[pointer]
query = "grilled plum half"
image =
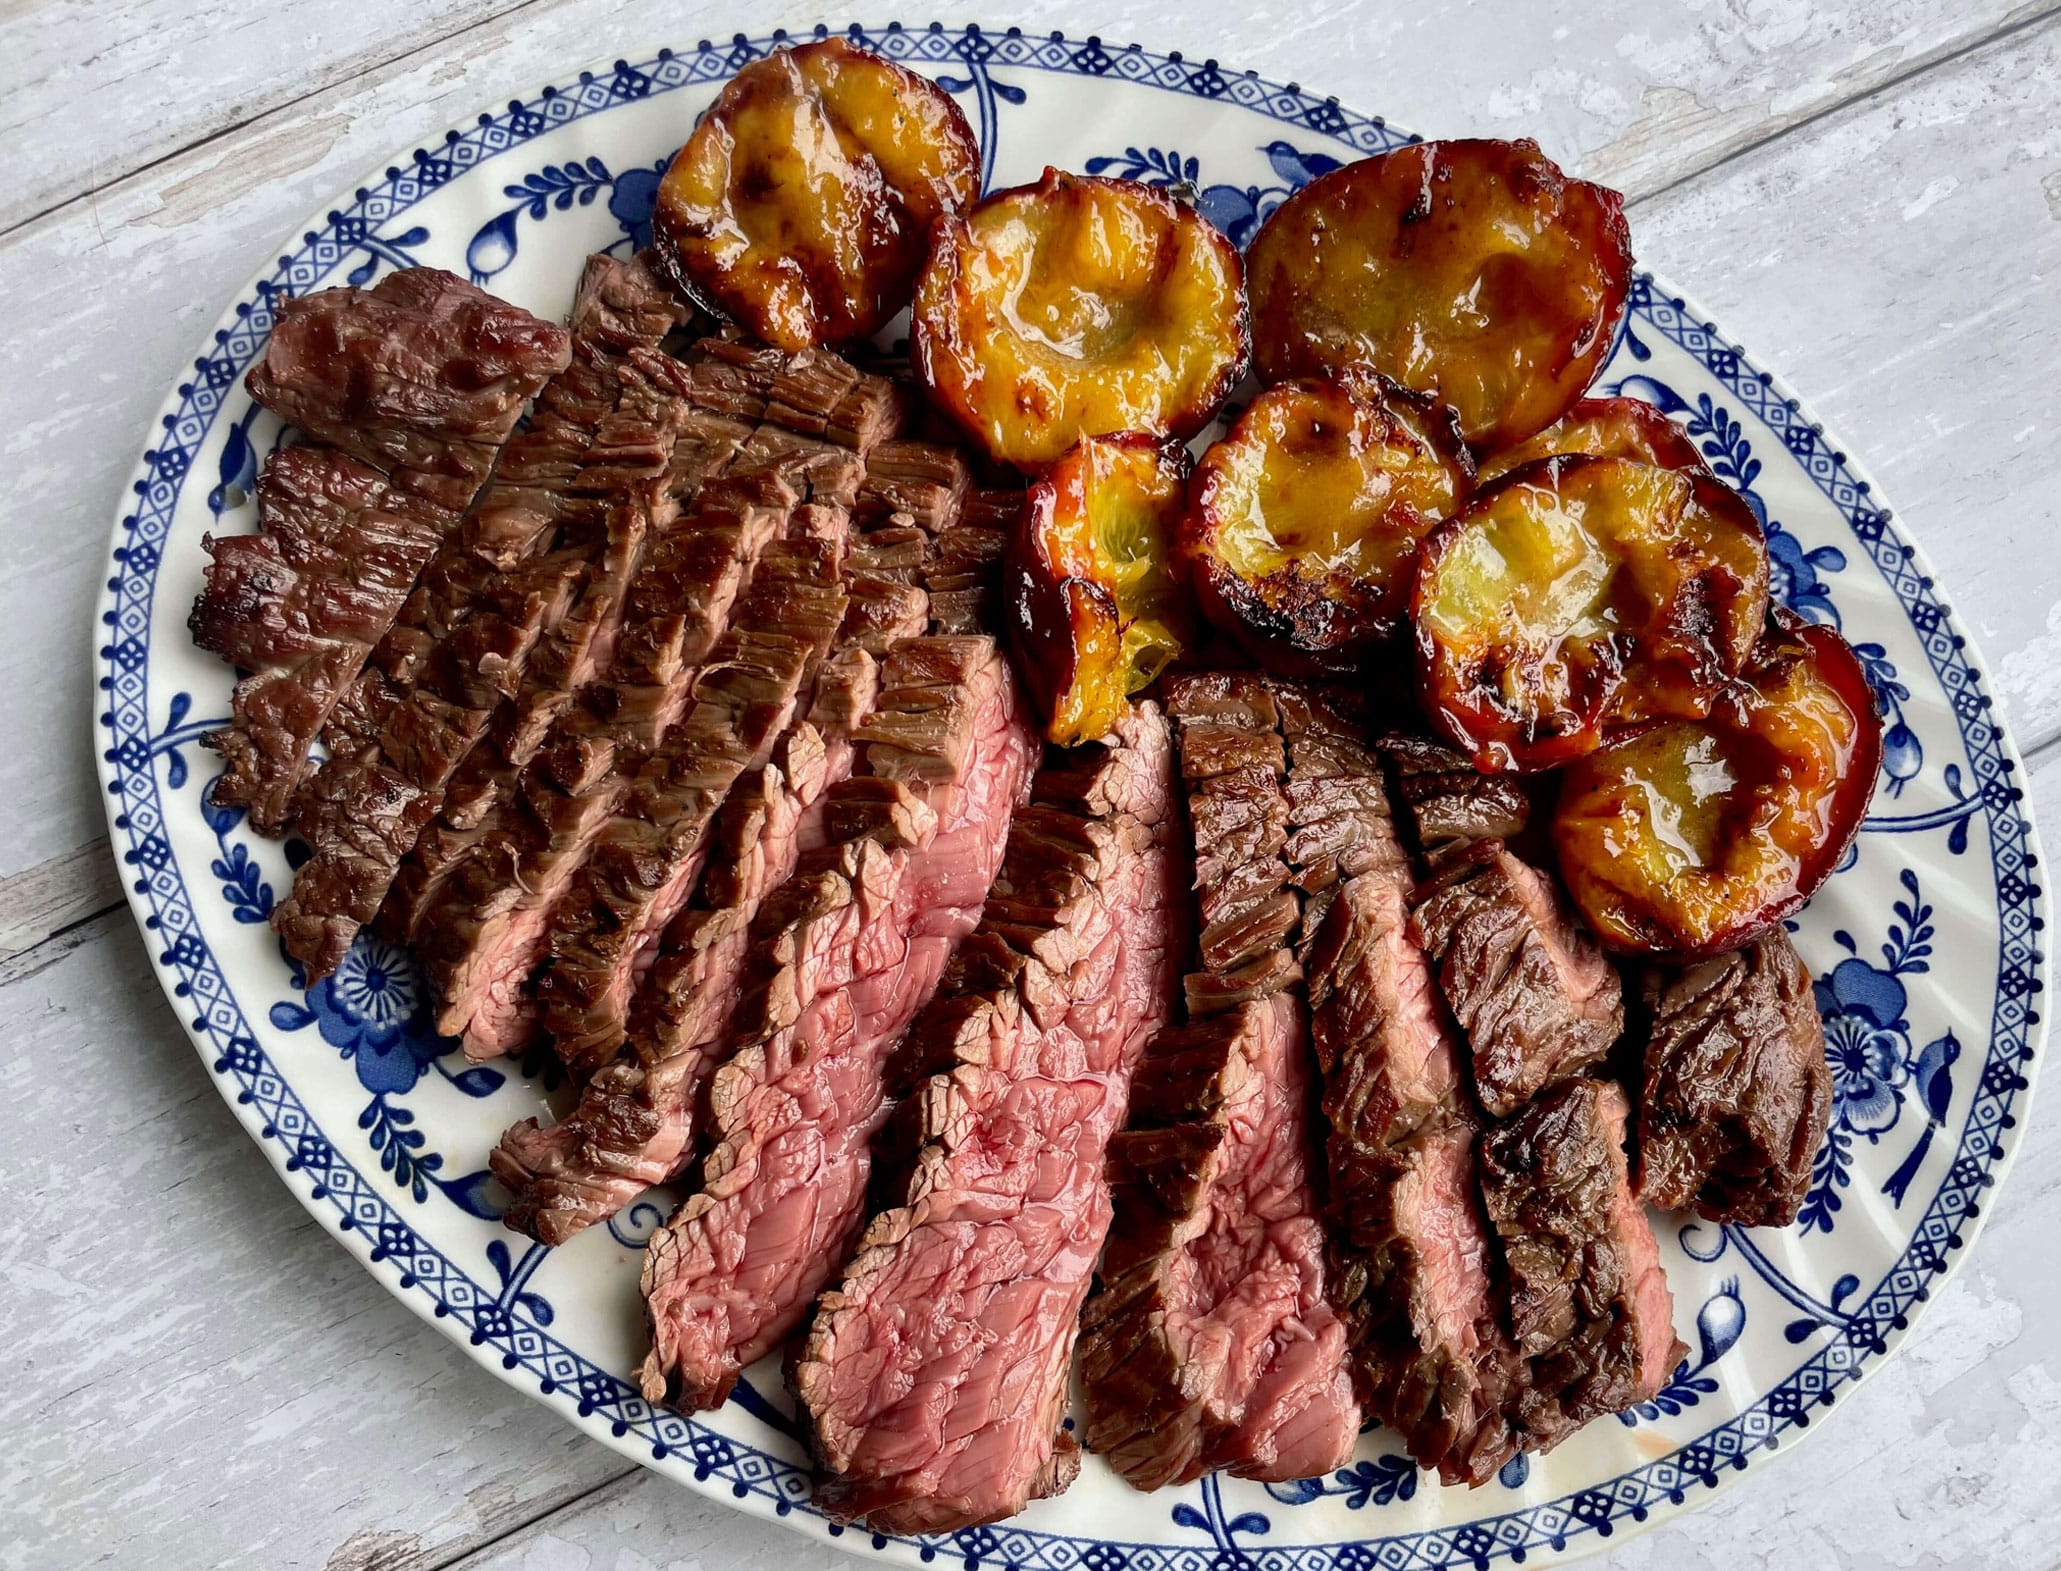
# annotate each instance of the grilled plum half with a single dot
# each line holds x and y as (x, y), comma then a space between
(1582, 594)
(1471, 270)
(1693, 837)
(801, 206)
(1078, 307)
(1605, 428)
(1303, 526)
(1095, 609)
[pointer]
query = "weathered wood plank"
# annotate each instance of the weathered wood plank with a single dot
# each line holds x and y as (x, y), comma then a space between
(44, 899)
(197, 1375)
(90, 92)
(1897, 266)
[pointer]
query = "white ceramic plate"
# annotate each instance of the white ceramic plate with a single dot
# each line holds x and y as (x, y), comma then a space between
(1925, 943)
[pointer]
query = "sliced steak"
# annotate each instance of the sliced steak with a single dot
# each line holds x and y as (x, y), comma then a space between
(857, 942)
(935, 1374)
(1211, 1342)
(1538, 1000)
(1737, 1091)
(500, 910)
(643, 870)
(422, 376)
(1590, 1315)
(300, 606)
(458, 650)
(634, 1124)
(1449, 802)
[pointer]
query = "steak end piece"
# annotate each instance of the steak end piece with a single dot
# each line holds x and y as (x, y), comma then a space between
(1449, 801)
(1591, 1319)
(1538, 1000)
(423, 376)
(1737, 1091)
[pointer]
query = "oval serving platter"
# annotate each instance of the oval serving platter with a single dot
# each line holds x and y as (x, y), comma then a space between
(1925, 944)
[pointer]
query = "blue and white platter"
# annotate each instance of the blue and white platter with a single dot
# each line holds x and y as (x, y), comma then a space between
(1926, 944)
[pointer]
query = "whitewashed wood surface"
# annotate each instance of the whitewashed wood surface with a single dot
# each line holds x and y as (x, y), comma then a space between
(1867, 193)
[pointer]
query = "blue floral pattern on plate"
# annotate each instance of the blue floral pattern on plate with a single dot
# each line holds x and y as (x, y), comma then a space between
(344, 1087)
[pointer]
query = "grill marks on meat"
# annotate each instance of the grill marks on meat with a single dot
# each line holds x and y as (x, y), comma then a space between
(1737, 1091)
(458, 650)
(481, 958)
(1538, 1000)
(1409, 1254)
(635, 1121)
(1590, 1315)
(855, 943)
(935, 1373)
(406, 391)
(300, 607)
(422, 376)
(1211, 1343)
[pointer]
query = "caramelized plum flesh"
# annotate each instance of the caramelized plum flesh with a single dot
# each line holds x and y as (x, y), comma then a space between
(1301, 538)
(1582, 594)
(1095, 609)
(1079, 307)
(801, 206)
(1694, 837)
(1474, 271)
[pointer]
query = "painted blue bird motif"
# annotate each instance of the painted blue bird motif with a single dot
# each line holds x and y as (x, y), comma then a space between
(1296, 167)
(1934, 1081)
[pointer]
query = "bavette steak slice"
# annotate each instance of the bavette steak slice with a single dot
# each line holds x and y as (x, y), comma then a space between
(300, 606)
(423, 377)
(1449, 801)
(408, 391)
(1590, 1315)
(1737, 1091)
(1211, 1342)
(458, 650)
(497, 924)
(635, 1120)
(1536, 997)
(856, 944)
(935, 1373)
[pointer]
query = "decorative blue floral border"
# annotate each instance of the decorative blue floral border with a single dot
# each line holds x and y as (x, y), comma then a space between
(489, 1311)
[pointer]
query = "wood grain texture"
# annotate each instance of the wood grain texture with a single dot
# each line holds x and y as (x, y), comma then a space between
(91, 90)
(217, 1383)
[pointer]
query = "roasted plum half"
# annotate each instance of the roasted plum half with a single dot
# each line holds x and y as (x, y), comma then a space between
(1079, 307)
(1304, 522)
(1694, 837)
(1604, 428)
(1096, 610)
(1474, 271)
(1582, 594)
(801, 206)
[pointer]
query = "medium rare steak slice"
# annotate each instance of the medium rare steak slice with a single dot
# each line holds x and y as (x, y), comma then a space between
(1211, 1342)
(1737, 1091)
(935, 1373)
(857, 942)
(1448, 801)
(497, 918)
(460, 645)
(299, 606)
(422, 376)
(635, 1121)
(1538, 1000)
(644, 868)
(1590, 1314)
